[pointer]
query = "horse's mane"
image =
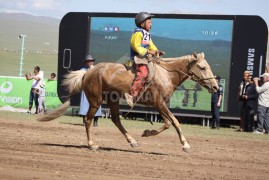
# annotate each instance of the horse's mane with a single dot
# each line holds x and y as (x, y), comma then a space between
(169, 63)
(177, 58)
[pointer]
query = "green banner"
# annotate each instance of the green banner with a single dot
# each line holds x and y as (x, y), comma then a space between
(15, 91)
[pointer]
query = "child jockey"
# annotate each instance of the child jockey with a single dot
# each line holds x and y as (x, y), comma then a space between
(141, 46)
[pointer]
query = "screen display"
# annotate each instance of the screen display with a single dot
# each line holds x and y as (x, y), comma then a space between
(109, 41)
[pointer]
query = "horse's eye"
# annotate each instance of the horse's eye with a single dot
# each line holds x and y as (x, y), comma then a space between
(203, 68)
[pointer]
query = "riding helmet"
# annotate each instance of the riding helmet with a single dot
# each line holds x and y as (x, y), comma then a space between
(141, 17)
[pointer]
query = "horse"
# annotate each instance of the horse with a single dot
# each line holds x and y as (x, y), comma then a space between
(109, 81)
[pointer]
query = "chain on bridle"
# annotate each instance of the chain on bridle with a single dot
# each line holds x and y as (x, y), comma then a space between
(194, 75)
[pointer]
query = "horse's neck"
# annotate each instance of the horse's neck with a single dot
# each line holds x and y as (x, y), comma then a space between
(178, 63)
(178, 68)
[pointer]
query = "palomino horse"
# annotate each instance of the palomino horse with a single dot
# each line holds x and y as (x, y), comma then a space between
(109, 81)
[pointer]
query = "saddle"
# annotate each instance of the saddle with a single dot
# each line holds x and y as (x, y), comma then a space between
(149, 61)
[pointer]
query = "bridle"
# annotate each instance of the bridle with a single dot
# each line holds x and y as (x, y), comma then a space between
(191, 74)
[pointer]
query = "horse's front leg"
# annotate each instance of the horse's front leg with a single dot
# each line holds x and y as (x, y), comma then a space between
(169, 119)
(158, 103)
(175, 123)
(154, 132)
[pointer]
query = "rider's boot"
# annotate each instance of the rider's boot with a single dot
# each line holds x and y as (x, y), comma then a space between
(129, 99)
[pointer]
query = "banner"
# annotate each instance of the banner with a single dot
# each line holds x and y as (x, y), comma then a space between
(15, 91)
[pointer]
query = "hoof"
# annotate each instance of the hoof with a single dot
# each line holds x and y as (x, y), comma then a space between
(94, 148)
(134, 144)
(186, 148)
(146, 133)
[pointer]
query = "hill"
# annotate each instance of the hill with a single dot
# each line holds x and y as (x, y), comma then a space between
(41, 43)
(41, 32)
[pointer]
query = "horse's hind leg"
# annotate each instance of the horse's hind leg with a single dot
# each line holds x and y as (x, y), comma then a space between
(88, 125)
(114, 109)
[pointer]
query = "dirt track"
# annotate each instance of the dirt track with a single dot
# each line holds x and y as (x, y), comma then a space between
(32, 150)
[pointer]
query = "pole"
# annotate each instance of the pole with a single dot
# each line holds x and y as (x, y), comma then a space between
(22, 50)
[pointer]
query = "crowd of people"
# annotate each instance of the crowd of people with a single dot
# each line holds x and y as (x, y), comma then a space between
(253, 100)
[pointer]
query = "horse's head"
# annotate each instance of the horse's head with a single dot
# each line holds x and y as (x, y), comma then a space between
(200, 71)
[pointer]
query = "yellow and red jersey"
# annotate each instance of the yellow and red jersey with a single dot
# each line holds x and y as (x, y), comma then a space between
(140, 43)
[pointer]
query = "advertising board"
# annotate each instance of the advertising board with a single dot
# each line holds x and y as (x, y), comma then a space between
(14, 92)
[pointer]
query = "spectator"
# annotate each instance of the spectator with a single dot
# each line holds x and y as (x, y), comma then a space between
(249, 104)
(241, 92)
(263, 104)
(216, 99)
(52, 77)
(185, 100)
(37, 77)
(194, 97)
(260, 82)
(84, 104)
(41, 97)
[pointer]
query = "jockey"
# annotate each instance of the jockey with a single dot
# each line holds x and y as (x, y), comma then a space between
(141, 46)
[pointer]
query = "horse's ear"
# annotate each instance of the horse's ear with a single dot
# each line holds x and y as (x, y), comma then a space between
(194, 54)
(194, 58)
(200, 56)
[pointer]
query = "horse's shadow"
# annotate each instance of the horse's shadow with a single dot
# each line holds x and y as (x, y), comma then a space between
(103, 149)
(75, 124)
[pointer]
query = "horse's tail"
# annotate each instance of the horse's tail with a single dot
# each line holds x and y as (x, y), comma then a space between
(73, 83)
(51, 115)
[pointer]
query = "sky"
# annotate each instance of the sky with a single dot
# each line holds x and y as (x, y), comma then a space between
(58, 8)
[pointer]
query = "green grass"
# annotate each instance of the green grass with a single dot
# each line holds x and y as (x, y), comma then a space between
(140, 125)
(10, 63)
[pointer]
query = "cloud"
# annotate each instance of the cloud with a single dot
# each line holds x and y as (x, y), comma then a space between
(4, 10)
(32, 4)
(34, 7)
(15, 4)
(46, 4)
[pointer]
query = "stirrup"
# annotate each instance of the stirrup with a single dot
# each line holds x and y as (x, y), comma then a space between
(129, 99)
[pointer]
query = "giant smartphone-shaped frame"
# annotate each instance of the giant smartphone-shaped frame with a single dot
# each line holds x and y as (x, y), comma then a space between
(231, 43)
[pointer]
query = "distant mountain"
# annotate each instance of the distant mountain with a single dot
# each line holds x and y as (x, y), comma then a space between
(41, 32)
